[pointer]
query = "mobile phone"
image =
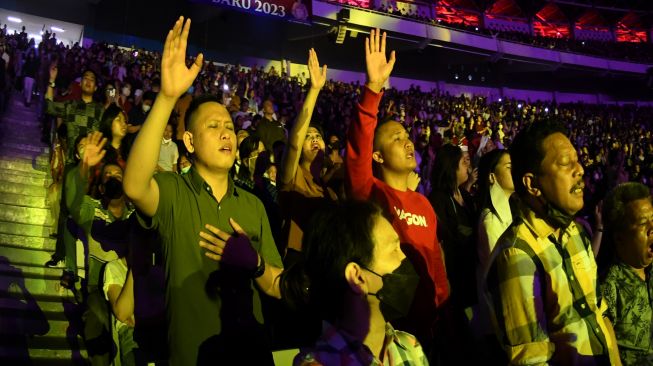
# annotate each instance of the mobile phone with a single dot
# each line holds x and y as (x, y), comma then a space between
(112, 92)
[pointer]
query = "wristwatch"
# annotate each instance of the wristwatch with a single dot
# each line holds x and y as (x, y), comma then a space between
(260, 269)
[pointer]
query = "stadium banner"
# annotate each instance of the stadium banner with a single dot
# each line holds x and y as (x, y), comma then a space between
(293, 10)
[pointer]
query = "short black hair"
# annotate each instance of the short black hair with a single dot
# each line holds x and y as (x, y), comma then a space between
(614, 205)
(487, 164)
(97, 78)
(380, 124)
(318, 278)
(526, 150)
(195, 104)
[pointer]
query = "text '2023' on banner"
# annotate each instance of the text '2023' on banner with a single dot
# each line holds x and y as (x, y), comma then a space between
(296, 10)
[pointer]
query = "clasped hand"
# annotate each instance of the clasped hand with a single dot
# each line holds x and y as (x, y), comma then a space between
(235, 250)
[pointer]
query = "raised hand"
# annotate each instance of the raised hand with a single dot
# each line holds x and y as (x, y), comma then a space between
(235, 251)
(176, 77)
(378, 67)
(317, 74)
(94, 151)
(53, 71)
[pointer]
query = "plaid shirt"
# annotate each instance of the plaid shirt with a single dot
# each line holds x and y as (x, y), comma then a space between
(80, 119)
(544, 301)
(629, 308)
(335, 348)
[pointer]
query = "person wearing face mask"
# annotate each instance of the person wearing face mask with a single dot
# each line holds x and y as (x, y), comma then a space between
(137, 117)
(169, 153)
(359, 281)
(110, 207)
(125, 100)
(542, 281)
(184, 164)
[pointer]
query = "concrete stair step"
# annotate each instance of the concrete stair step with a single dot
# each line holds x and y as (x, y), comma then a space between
(31, 271)
(21, 119)
(27, 242)
(36, 146)
(23, 189)
(24, 178)
(13, 228)
(26, 257)
(26, 165)
(21, 166)
(58, 357)
(51, 310)
(39, 288)
(25, 215)
(23, 200)
(40, 158)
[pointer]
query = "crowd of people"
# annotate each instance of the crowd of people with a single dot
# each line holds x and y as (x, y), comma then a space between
(640, 51)
(228, 211)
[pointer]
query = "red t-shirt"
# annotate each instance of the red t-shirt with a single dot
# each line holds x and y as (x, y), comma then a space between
(411, 214)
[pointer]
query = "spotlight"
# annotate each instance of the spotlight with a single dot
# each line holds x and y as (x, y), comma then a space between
(500, 99)
(546, 110)
(225, 87)
(14, 19)
(476, 29)
(57, 29)
(519, 105)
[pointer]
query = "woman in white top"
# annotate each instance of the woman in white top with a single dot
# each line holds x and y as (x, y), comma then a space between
(494, 189)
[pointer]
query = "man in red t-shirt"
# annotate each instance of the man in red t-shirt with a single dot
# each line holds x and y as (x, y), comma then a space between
(389, 147)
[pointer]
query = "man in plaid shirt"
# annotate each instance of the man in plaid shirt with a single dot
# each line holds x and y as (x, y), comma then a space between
(543, 281)
(80, 116)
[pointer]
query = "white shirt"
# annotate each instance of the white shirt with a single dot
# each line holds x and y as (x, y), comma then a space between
(168, 155)
(115, 273)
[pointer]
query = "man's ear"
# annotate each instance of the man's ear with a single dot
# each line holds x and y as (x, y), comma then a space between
(355, 278)
(188, 142)
(378, 157)
(532, 185)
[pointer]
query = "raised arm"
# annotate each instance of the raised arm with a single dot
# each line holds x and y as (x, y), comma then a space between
(176, 78)
(298, 132)
(360, 139)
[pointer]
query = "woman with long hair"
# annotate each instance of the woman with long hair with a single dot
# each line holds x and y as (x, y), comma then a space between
(114, 127)
(354, 274)
(494, 190)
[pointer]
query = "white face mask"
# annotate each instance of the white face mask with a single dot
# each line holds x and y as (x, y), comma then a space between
(126, 91)
(166, 141)
(185, 170)
(146, 108)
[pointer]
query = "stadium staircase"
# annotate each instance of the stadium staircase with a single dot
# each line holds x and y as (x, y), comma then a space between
(40, 322)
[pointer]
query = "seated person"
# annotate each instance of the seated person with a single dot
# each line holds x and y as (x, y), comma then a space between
(358, 279)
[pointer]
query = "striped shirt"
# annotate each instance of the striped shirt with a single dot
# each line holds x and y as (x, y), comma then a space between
(544, 300)
(337, 348)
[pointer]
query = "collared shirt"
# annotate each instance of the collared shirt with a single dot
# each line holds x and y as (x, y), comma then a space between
(628, 297)
(545, 305)
(85, 209)
(204, 302)
(336, 348)
(80, 119)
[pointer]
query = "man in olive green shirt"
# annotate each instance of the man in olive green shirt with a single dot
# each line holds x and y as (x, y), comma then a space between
(216, 238)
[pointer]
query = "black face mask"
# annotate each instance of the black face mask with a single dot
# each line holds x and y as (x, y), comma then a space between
(396, 295)
(113, 188)
(335, 146)
(556, 217)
